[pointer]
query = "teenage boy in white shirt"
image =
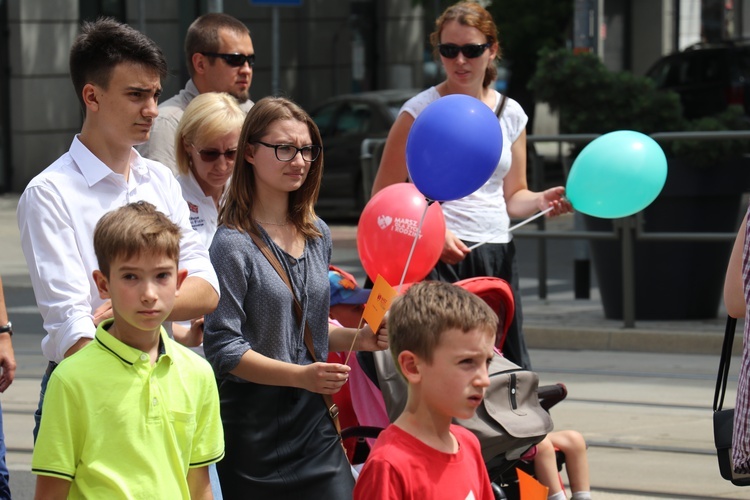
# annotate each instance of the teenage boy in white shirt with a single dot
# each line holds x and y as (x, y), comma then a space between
(117, 73)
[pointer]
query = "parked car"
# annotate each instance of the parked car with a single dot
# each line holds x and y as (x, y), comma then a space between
(345, 121)
(707, 76)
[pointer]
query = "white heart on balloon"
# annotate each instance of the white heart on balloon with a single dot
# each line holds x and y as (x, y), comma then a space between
(384, 221)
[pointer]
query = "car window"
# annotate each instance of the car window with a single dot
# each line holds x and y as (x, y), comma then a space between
(323, 117)
(660, 73)
(710, 67)
(687, 71)
(354, 118)
(394, 108)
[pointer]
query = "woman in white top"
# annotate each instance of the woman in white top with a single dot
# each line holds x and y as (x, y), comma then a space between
(205, 150)
(466, 40)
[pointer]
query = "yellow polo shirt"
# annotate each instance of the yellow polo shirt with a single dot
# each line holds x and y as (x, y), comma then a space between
(118, 427)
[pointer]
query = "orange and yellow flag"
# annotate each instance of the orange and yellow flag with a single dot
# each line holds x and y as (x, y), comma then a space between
(379, 302)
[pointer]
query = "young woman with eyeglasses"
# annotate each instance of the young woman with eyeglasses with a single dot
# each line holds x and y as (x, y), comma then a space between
(466, 41)
(280, 440)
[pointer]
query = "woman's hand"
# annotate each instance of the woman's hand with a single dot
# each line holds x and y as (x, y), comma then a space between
(325, 378)
(454, 250)
(555, 198)
(189, 337)
(103, 312)
(195, 334)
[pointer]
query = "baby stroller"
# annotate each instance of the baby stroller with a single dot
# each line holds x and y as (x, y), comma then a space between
(512, 419)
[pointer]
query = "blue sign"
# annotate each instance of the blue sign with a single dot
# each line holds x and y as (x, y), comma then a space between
(276, 3)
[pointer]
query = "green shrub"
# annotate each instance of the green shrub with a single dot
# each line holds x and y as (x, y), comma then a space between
(592, 99)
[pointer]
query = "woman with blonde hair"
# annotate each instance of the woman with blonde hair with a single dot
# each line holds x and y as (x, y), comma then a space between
(266, 336)
(466, 41)
(205, 150)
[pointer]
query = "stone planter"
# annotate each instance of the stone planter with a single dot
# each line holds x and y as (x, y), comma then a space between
(680, 279)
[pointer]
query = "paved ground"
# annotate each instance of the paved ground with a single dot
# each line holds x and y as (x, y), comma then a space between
(646, 415)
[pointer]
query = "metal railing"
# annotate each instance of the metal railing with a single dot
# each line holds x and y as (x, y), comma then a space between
(627, 230)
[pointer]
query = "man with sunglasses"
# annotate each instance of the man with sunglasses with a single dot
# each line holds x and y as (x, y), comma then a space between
(220, 57)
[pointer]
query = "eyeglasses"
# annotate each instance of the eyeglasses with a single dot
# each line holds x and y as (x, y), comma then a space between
(211, 155)
(234, 60)
(470, 50)
(287, 152)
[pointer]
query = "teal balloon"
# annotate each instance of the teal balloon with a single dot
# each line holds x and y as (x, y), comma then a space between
(617, 175)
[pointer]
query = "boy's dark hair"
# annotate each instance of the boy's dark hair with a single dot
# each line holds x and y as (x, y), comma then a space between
(133, 229)
(105, 43)
(419, 317)
(203, 34)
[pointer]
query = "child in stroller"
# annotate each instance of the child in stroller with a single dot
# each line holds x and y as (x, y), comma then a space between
(571, 445)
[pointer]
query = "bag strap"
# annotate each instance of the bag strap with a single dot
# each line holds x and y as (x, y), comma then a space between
(502, 105)
(726, 358)
(333, 410)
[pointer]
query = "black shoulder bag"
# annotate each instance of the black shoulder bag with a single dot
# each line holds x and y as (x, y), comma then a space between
(724, 419)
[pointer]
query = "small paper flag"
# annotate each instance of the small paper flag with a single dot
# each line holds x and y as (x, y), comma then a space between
(381, 296)
(530, 488)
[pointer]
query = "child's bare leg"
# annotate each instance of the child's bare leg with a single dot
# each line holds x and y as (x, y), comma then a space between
(545, 466)
(572, 444)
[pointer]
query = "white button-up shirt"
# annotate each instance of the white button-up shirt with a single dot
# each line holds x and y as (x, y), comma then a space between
(57, 214)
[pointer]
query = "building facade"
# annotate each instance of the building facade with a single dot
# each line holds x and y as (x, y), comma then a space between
(307, 51)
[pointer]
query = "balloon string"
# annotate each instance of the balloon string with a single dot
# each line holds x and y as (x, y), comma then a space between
(356, 334)
(413, 245)
(513, 228)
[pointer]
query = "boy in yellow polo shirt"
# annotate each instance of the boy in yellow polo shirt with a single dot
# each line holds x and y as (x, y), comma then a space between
(150, 426)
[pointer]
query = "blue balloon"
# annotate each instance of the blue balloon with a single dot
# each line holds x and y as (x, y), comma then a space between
(617, 175)
(453, 147)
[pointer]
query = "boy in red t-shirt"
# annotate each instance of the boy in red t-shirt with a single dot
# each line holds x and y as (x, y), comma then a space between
(441, 337)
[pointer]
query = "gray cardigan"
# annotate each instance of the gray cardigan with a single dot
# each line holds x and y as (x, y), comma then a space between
(256, 309)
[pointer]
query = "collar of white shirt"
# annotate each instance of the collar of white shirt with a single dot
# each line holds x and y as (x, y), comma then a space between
(94, 170)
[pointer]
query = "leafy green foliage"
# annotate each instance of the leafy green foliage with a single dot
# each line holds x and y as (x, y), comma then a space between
(592, 99)
(526, 27)
(706, 153)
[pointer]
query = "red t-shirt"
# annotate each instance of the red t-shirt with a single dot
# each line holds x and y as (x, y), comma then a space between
(401, 466)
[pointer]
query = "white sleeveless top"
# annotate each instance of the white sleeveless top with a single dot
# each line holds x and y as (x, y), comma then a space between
(482, 215)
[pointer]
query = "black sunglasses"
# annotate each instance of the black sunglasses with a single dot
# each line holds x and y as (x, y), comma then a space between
(211, 155)
(470, 50)
(234, 60)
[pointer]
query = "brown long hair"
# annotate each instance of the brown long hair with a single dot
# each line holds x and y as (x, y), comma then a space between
(238, 205)
(475, 16)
